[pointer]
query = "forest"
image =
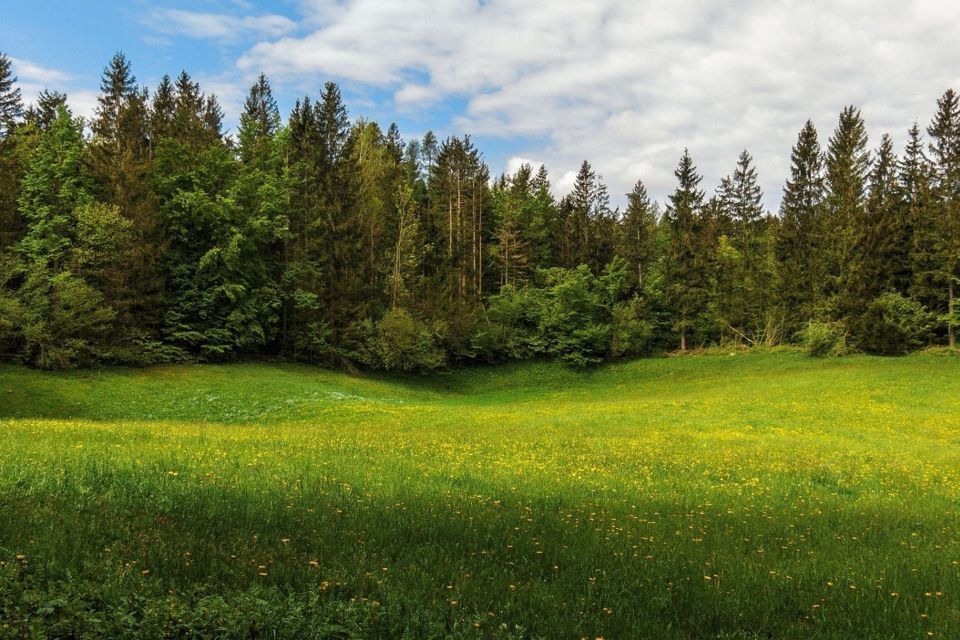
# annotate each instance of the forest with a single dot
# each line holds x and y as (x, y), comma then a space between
(148, 235)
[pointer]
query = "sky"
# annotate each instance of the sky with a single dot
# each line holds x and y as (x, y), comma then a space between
(624, 84)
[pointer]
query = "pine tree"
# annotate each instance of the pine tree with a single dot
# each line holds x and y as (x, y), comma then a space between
(542, 234)
(42, 113)
(116, 86)
(740, 206)
(916, 195)
(847, 165)
(340, 231)
(589, 222)
(512, 204)
(260, 195)
(687, 263)
(458, 195)
(64, 317)
(303, 332)
(11, 165)
(886, 233)
(636, 237)
(799, 247)
(161, 111)
(119, 157)
(260, 118)
(11, 104)
(944, 132)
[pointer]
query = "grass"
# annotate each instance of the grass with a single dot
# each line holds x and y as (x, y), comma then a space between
(765, 495)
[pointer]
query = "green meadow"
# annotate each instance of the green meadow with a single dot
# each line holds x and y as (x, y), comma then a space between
(757, 495)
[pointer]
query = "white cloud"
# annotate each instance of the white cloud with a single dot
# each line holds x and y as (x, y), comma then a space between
(219, 26)
(33, 78)
(29, 72)
(629, 84)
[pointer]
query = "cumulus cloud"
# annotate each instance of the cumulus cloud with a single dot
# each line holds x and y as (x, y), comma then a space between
(629, 84)
(33, 78)
(219, 26)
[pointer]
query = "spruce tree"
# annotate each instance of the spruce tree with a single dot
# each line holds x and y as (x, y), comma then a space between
(847, 168)
(799, 249)
(687, 263)
(116, 86)
(161, 111)
(119, 157)
(11, 165)
(739, 201)
(884, 255)
(944, 132)
(304, 334)
(916, 195)
(11, 104)
(260, 195)
(43, 112)
(636, 238)
(64, 318)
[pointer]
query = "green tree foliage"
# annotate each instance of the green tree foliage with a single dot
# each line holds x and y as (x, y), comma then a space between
(119, 164)
(11, 103)
(893, 325)
(884, 252)
(569, 314)
(799, 240)
(944, 132)
(11, 152)
(43, 112)
(210, 309)
(847, 167)
(746, 281)
(635, 241)
(689, 268)
(64, 318)
(146, 235)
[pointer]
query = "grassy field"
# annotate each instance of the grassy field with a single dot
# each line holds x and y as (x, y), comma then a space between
(765, 495)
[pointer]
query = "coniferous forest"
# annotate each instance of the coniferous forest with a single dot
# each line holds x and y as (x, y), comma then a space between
(147, 235)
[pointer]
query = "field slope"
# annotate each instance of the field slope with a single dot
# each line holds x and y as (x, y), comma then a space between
(755, 496)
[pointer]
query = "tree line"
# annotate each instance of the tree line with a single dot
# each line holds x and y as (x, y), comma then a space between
(147, 235)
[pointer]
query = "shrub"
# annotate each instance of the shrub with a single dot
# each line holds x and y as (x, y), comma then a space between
(402, 342)
(631, 330)
(894, 325)
(823, 339)
(65, 321)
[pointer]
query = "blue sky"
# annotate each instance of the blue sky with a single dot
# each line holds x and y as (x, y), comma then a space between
(626, 84)
(71, 42)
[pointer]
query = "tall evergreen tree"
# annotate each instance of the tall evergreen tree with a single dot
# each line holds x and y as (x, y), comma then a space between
(740, 202)
(11, 166)
(64, 318)
(161, 111)
(11, 103)
(916, 195)
(847, 168)
(944, 132)
(798, 244)
(116, 86)
(43, 112)
(687, 265)
(304, 334)
(886, 232)
(119, 157)
(260, 196)
(637, 234)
